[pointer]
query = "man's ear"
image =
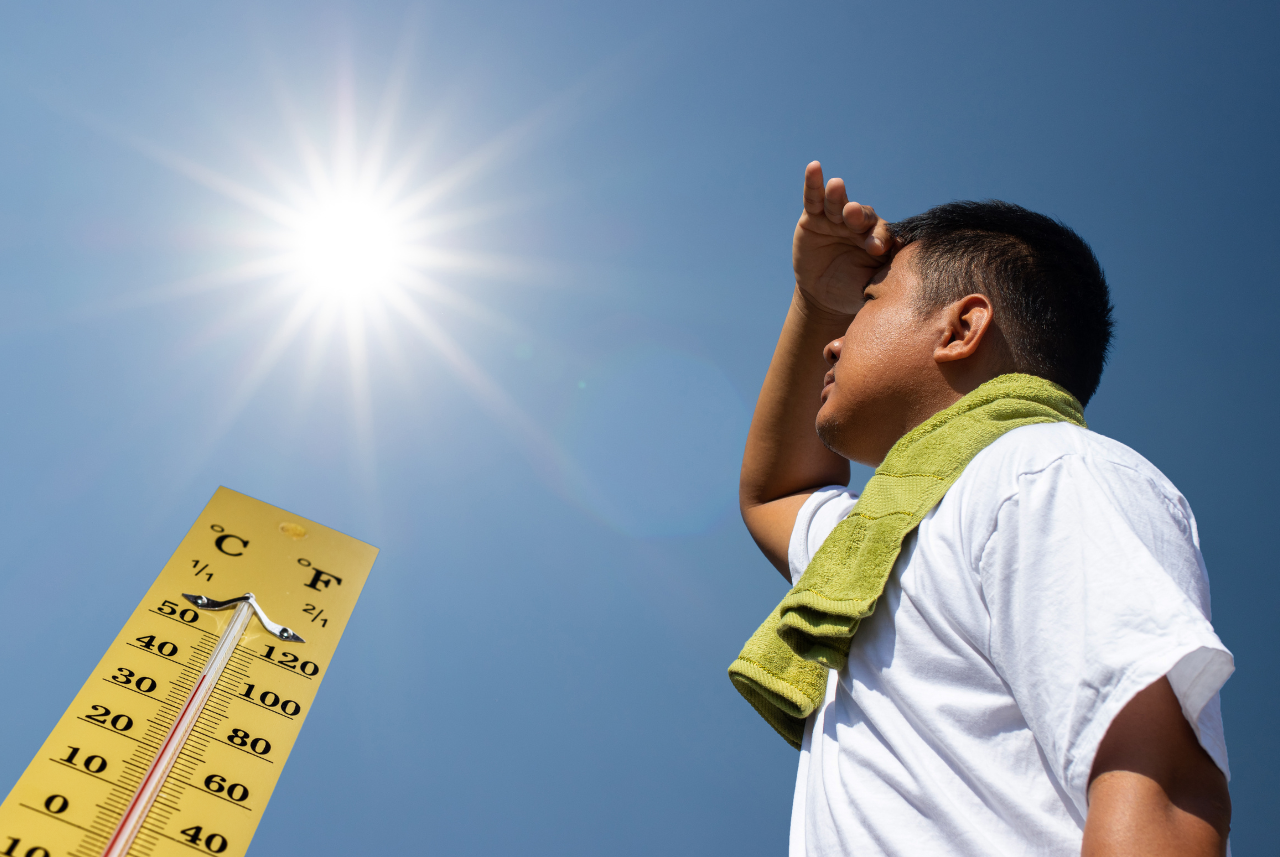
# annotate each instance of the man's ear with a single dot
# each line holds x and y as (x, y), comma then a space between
(965, 324)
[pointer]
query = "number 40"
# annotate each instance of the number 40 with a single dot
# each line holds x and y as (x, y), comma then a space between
(215, 842)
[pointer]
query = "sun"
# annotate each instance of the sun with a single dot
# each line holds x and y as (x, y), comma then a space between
(344, 245)
(347, 246)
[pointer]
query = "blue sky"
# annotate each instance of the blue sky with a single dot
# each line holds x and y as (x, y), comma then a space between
(549, 466)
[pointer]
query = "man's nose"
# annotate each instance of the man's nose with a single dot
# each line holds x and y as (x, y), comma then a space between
(832, 351)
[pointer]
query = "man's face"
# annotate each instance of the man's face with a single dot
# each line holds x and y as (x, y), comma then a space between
(874, 390)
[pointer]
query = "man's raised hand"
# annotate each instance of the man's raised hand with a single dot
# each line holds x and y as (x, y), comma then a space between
(838, 246)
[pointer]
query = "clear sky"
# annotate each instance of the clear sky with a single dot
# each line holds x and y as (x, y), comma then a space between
(544, 441)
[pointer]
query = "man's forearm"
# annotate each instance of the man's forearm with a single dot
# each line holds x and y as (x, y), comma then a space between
(784, 457)
(837, 248)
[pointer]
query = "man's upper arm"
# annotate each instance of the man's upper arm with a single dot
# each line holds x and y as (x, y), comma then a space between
(1153, 789)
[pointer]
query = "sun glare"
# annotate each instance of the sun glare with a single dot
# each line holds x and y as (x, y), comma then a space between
(348, 247)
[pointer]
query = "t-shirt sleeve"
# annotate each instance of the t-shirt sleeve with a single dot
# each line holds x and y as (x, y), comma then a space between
(818, 516)
(1096, 589)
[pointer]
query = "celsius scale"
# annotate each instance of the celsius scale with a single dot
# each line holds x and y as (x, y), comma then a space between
(177, 739)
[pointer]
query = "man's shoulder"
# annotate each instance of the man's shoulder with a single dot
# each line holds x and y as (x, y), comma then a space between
(1065, 451)
(1031, 449)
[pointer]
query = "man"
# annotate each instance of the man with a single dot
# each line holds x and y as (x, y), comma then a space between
(1039, 675)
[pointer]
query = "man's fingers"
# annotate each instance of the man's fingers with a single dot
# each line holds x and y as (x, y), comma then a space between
(814, 193)
(863, 220)
(832, 200)
(836, 199)
(883, 237)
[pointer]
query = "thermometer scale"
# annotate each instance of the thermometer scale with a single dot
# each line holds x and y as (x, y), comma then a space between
(176, 741)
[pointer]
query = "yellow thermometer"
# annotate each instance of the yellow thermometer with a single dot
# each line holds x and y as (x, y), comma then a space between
(177, 739)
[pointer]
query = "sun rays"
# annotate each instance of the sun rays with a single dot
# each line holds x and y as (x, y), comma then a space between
(341, 254)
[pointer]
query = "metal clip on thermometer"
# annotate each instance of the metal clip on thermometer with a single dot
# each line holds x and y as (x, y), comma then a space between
(149, 789)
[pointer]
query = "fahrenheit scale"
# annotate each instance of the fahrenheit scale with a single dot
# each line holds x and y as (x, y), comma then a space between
(177, 739)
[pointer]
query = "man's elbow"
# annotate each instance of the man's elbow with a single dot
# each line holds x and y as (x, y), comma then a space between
(770, 525)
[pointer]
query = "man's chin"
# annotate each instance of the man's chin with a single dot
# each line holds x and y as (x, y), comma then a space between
(841, 436)
(830, 434)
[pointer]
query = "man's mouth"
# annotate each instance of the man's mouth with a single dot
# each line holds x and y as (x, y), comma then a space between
(827, 382)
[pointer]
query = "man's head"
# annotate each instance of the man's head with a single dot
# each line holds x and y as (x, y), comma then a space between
(1046, 286)
(976, 290)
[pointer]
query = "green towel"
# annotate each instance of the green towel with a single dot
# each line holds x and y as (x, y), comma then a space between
(782, 670)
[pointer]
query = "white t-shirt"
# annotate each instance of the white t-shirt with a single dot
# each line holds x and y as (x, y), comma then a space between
(1059, 576)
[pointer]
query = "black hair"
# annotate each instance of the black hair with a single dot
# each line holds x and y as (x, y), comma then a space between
(1047, 289)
